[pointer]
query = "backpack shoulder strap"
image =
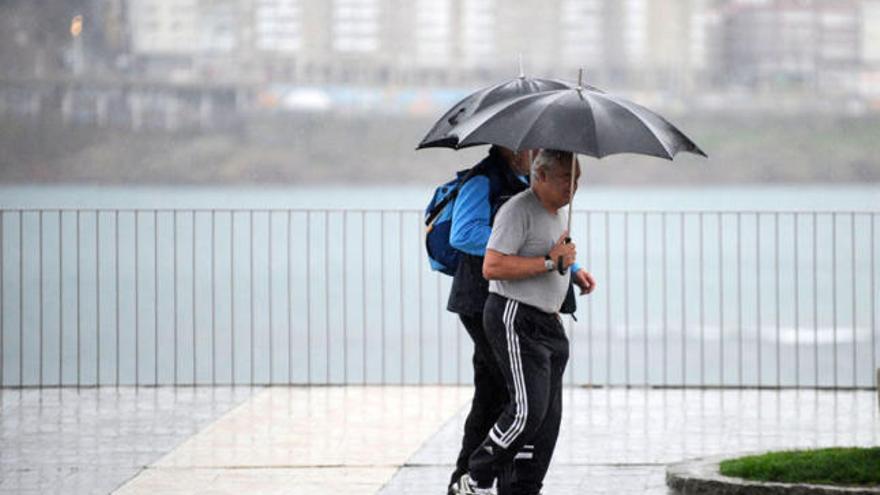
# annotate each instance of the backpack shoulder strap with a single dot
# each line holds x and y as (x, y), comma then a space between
(503, 184)
(463, 176)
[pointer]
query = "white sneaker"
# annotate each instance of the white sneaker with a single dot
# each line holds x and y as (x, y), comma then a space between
(467, 486)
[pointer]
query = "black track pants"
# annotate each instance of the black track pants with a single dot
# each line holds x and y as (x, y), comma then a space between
(531, 349)
(490, 394)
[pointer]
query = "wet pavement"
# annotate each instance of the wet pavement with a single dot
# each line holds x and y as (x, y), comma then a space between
(327, 440)
(92, 440)
(619, 440)
(388, 440)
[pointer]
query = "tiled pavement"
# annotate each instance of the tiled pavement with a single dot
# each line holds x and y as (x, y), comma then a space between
(327, 440)
(390, 440)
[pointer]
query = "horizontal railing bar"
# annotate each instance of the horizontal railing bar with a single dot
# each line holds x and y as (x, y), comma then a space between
(417, 210)
(209, 210)
(810, 388)
(451, 385)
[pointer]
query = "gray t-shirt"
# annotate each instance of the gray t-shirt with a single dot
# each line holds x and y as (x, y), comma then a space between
(524, 228)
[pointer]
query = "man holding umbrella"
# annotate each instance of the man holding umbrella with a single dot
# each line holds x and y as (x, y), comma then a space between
(523, 327)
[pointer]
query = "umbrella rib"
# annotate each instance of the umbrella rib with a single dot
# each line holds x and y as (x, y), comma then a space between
(539, 115)
(465, 134)
(595, 127)
(655, 132)
(484, 94)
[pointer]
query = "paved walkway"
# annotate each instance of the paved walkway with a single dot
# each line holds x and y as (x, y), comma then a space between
(387, 440)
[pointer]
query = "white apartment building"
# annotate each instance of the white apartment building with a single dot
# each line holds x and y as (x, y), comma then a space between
(433, 31)
(582, 33)
(477, 33)
(356, 26)
(551, 36)
(164, 27)
(673, 44)
(870, 33)
(869, 56)
(278, 26)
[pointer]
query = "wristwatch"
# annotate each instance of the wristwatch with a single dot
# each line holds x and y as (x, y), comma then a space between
(549, 265)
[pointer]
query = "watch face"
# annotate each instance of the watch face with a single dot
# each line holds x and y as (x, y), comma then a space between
(548, 264)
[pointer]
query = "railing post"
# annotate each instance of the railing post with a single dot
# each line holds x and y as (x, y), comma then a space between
(2, 325)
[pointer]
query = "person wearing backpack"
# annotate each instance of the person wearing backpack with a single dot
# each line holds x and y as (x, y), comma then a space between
(498, 177)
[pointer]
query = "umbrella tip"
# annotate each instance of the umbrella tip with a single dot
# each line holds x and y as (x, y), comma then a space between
(522, 74)
(580, 79)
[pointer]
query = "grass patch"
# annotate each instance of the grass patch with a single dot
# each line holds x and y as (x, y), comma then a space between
(832, 466)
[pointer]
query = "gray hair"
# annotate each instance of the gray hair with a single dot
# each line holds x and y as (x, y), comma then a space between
(548, 159)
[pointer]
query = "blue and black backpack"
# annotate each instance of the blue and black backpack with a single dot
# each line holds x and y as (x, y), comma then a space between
(438, 221)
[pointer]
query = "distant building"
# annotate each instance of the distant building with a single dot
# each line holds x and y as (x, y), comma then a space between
(675, 45)
(115, 26)
(870, 49)
(792, 43)
(218, 26)
(165, 27)
(388, 40)
(434, 32)
(355, 26)
(477, 33)
(582, 34)
(279, 26)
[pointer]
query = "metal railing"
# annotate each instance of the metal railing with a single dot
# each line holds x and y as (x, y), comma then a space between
(220, 296)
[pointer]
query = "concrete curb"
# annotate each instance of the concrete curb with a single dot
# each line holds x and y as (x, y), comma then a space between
(701, 476)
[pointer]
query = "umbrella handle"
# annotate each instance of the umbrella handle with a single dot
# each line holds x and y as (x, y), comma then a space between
(559, 266)
(570, 201)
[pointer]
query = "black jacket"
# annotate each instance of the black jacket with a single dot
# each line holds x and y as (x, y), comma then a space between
(469, 289)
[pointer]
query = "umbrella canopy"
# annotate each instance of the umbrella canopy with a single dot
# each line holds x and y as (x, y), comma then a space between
(581, 120)
(440, 134)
